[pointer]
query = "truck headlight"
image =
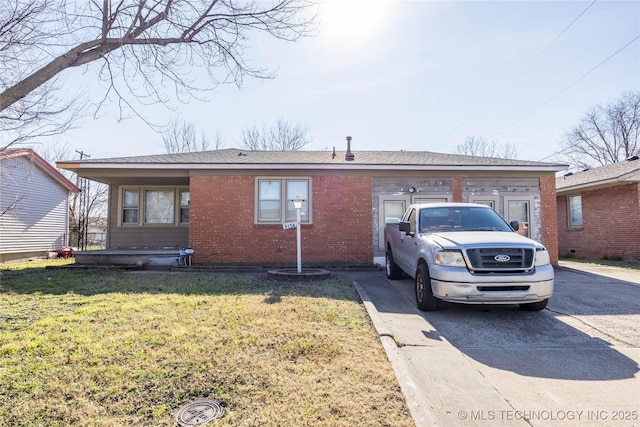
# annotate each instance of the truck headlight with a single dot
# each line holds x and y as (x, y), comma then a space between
(449, 258)
(542, 257)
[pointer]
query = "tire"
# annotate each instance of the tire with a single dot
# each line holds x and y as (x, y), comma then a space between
(424, 294)
(535, 306)
(391, 268)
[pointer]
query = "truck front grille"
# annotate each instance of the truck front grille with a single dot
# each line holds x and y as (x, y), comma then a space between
(488, 260)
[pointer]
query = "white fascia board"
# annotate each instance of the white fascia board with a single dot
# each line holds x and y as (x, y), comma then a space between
(292, 166)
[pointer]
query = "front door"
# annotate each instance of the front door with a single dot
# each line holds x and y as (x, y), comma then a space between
(519, 210)
(391, 210)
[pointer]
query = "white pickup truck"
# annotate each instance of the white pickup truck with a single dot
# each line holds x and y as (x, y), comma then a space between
(467, 253)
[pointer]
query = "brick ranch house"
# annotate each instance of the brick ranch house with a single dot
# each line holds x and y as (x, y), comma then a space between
(230, 205)
(599, 211)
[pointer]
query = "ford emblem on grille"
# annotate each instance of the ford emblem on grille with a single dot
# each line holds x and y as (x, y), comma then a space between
(502, 258)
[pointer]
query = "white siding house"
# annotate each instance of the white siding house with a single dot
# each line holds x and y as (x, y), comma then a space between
(34, 206)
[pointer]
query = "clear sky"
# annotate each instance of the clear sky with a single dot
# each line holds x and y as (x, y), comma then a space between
(417, 75)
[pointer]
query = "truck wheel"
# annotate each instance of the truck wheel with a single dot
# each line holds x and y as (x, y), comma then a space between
(535, 306)
(392, 269)
(424, 294)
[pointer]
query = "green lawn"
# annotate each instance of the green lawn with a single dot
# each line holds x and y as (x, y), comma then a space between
(114, 348)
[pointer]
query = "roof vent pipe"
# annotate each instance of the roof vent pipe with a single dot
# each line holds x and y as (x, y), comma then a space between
(349, 155)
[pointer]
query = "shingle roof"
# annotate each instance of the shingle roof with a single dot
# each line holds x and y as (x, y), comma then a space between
(626, 170)
(234, 156)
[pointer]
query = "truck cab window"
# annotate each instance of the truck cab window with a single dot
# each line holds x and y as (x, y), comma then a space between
(412, 220)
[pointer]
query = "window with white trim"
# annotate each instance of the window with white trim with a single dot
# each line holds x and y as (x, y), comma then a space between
(185, 200)
(150, 206)
(491, 201)
(130, 206)
(520, 209)
(159, 206)
(274, 199)
(575, 210)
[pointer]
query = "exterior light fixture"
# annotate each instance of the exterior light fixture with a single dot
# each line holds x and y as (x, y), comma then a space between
(297, 203)
(412, 189)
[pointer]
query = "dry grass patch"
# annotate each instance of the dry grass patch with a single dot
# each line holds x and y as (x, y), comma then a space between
(129, 348)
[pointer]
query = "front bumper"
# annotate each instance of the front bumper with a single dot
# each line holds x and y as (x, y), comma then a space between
(463, 287)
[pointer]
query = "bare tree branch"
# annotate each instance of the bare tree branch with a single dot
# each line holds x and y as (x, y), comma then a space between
(11, 206)
(23, 27)
(606, 133)
(279, 137)
(97, 197)
(146, 47)
(480, 146)
(181, 138)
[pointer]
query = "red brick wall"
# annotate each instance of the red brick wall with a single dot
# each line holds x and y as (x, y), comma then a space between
(222, 229)
(565, 239)
(548, 207)
(456, 184)
(610, 219)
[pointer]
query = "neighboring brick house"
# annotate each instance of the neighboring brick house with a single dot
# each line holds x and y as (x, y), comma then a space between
(230, 205)
(34, 206)
(599, 212)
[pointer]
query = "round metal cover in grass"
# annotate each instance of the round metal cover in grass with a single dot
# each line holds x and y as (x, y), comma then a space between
(200, 411)
(291, 274)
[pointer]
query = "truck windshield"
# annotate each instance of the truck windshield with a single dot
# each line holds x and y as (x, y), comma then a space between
(438, 219)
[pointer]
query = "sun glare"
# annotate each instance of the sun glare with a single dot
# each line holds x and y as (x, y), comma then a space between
(351, 21)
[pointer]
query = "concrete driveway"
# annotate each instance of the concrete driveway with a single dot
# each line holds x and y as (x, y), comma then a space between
(575, 363)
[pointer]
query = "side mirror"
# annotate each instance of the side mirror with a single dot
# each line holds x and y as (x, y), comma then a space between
(405, 226)
(515, 225)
